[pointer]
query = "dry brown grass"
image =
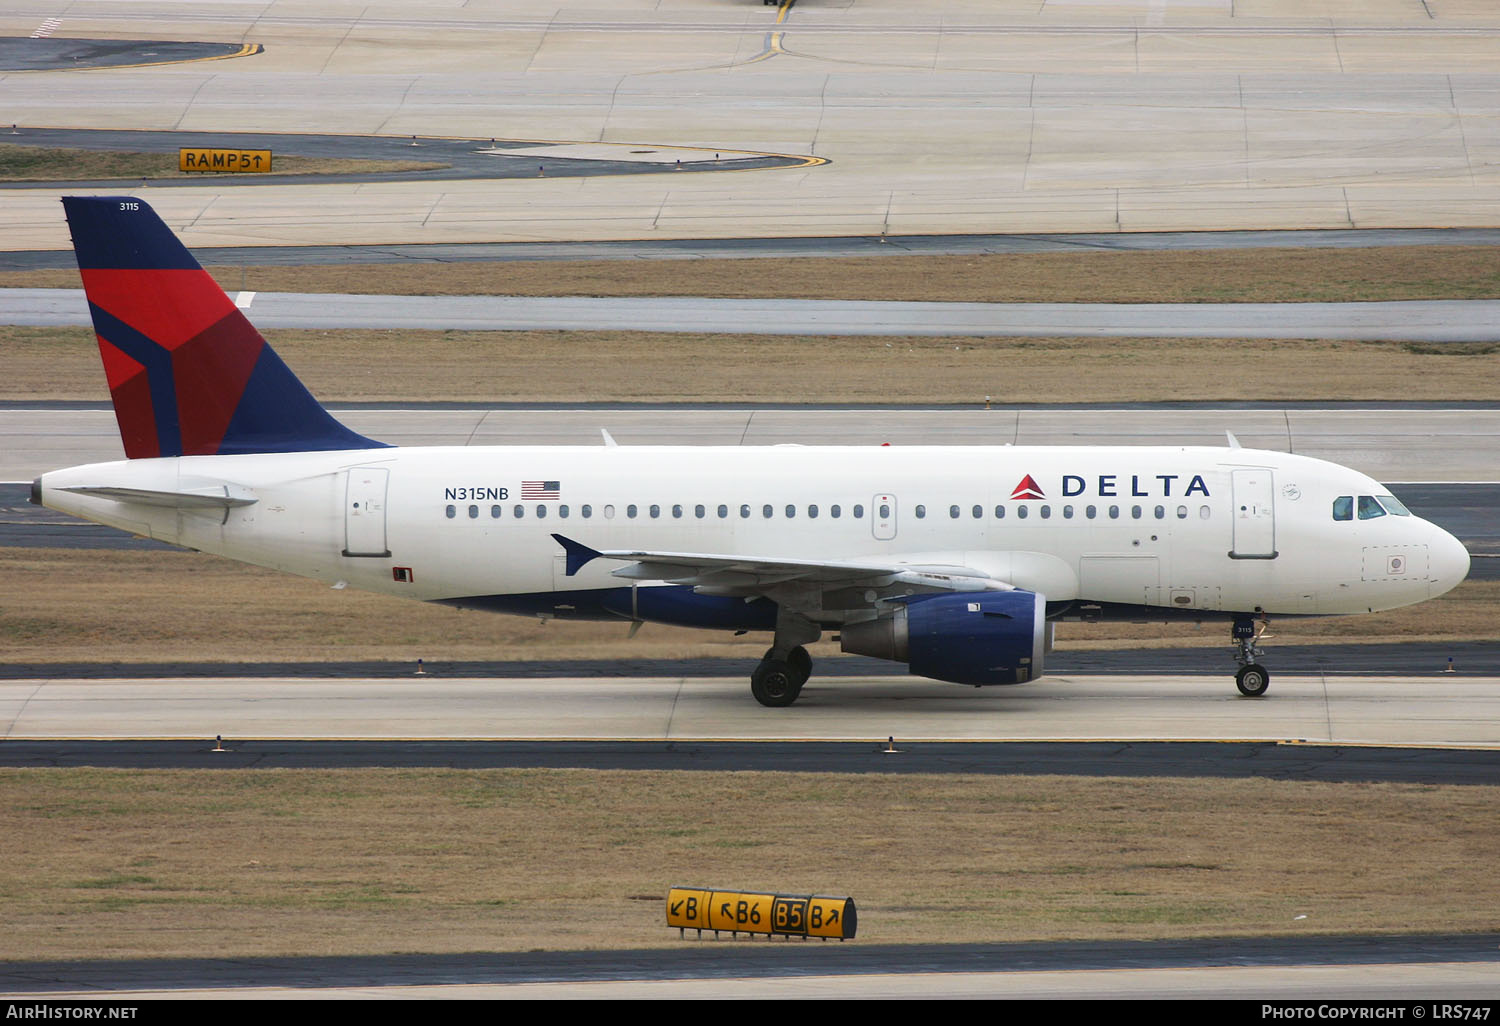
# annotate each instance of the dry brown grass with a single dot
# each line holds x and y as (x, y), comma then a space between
(90, 605)
(47, 164)
(107, 863)
(1094, 276)
(478, 366)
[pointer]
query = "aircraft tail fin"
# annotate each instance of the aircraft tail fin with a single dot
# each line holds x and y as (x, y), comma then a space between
(189, 374)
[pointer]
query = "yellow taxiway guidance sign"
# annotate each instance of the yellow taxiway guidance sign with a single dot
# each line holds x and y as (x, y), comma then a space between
(791, 915)
(202, 158)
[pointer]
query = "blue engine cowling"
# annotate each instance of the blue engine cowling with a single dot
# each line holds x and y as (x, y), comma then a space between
(991, 637)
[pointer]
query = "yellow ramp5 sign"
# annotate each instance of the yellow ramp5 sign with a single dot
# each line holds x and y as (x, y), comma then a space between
(209, 159)
(790, 915)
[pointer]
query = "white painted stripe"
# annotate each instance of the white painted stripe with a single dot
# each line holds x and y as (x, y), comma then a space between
(244, 299)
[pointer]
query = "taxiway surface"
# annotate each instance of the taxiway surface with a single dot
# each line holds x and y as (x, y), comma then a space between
(1473, 320)
(1432, 711)
(1399, 967)
(957, 116)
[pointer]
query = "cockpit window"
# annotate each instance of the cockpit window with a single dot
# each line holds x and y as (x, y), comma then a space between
(1369, 508)
(1393, 505)
(1343, 507)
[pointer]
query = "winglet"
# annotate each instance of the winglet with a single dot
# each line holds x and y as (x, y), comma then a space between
(579, 555)
(1234, 443)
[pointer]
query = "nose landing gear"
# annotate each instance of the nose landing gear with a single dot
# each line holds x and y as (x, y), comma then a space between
(1252, 678)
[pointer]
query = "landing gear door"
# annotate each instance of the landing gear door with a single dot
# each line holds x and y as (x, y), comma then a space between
(1254, 514)
(364, 511)
(883, 517)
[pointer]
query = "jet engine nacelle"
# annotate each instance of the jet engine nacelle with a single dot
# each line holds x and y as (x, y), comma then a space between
(997, 637)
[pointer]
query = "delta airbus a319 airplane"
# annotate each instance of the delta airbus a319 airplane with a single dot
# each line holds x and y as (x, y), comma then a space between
(954, 560)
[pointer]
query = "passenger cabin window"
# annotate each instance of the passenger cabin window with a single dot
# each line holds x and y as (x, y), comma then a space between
(699, 511)
(541, 512)
(791, 511)
(452, 512)
(1023, 512)
(978, 512)
(494, 512)
(999, 512)
(834, 511)
(920, 511)
(1343, 507)
(859, 511)
(1046, 512)
(812, 511)
(1369, 509)
(562, 511)
(630, 511)
(744, 511)
(519, 511)
(953, 512)
(677, 510)
(587, 511)
(766, 511)
(473, 512)
(655, 511)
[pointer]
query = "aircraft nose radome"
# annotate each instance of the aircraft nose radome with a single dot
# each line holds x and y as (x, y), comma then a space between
(1450, 562)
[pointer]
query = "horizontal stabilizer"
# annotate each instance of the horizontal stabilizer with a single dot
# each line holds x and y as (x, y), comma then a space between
(226, 498)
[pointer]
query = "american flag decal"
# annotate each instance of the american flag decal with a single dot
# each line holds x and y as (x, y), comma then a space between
(540, 489)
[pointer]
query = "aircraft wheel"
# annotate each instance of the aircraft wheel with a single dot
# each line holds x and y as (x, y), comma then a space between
(801, 664)
(775, 684)
(1252, 680)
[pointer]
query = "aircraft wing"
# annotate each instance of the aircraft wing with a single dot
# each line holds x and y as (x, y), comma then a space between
(754, 575)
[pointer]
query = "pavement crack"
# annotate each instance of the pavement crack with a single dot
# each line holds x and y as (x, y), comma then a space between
(11, 726)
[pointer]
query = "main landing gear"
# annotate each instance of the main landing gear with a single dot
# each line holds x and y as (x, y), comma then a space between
(778, 682)
(778, 679)
(1252, 678)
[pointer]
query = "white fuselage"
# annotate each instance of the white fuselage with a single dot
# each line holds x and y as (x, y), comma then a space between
(1194, 530)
